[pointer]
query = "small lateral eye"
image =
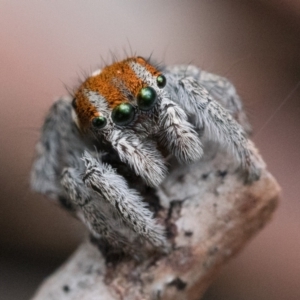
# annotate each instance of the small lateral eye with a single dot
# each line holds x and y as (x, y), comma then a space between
(146, 98)
(123, 114)
(161, 81)
(99, 122)
(74, 105)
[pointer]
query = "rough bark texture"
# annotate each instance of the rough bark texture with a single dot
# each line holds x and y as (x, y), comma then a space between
(210, 214)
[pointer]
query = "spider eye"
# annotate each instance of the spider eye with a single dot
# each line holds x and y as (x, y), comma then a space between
(74, 105)
(146, 98)
(123, 114)
(161, 81)
(99, 122)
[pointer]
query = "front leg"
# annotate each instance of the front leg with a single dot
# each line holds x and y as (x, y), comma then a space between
(142, 157)
(177, 134)
(113, 188)
(208, 114)
(218, 87)
(93, 211)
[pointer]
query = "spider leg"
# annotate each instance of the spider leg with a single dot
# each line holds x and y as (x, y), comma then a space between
(208, 114)
(220, 88)
(143, 157)
(93, 211)
(103, 180)
(177, 134)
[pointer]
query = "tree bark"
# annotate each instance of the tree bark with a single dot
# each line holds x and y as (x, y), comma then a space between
(210, 214)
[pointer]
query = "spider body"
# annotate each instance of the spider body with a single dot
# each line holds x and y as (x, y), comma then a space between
(95, 151)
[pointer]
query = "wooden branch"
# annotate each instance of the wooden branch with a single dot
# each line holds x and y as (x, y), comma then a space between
(210, 215)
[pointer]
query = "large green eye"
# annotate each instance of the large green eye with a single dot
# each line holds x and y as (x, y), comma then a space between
(146, 98)
(123, 114)
(99, 122)
(161, 81)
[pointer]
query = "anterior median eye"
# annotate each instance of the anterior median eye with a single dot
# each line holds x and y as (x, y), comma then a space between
(161, 81)
(123, 114)
(99, 122)
(146, 98)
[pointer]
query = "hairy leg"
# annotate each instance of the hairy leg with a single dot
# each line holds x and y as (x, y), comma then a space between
(113, 188)
(142, 157)
(211, 116)
(219, 88)
(177, 134)
(93, 211)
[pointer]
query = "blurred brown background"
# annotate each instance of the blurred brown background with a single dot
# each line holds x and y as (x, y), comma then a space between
(46, 44)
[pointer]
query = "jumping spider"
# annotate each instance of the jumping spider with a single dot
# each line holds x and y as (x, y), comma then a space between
(118, 131)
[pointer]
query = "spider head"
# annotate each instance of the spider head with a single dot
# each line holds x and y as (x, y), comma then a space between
(127, 106)
(124, 95)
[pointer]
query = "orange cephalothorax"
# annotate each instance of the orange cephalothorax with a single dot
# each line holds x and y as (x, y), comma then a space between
(116, 84)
